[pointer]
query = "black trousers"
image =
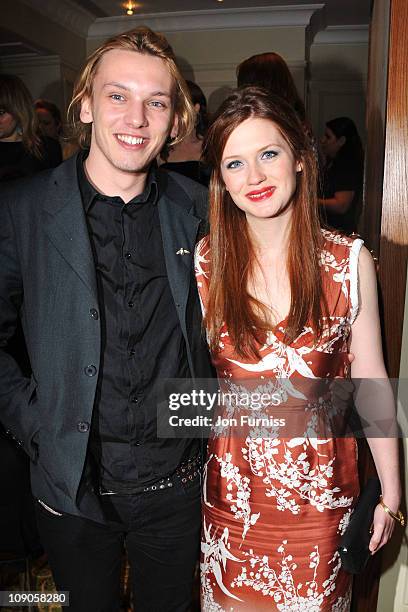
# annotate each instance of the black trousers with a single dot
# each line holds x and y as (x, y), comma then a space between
(161, 532)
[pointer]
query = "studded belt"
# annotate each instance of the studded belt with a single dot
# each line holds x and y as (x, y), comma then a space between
(186, 472)
(189, 469)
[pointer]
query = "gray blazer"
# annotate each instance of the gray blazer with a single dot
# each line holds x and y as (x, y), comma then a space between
(47, 277)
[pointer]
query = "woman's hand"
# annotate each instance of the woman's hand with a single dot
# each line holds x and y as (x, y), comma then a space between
(383, 525)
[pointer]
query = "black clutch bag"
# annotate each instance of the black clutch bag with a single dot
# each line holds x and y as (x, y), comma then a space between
(353, 549)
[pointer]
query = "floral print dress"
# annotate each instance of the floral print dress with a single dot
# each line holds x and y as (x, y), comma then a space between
(277, 499)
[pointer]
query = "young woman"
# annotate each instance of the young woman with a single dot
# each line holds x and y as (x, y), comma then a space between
(281, 311)
(271, 72)
(22, 149)
(342, 179)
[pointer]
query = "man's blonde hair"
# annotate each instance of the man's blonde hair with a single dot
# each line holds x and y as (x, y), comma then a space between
(141, 40)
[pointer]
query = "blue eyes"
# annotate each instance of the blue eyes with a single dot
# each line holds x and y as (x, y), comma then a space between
(269, 154)
(233, 164)
(152, 103)
(266, 155)
(157, 104)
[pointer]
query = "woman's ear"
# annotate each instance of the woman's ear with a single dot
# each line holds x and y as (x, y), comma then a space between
(299, 167)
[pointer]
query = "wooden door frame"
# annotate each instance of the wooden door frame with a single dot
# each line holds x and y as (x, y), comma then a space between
(385, 215)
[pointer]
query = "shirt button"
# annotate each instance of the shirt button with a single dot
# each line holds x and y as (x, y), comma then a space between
(131, 304)
(83, 426)
(132, 352)
(94, 313)
(90, 370)
(128, 255)
(134, 400)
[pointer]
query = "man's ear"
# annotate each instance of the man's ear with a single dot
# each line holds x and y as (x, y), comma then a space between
(86, 111)
(174, 129)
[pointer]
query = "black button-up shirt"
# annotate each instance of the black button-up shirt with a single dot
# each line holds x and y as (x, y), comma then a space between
(142, 342)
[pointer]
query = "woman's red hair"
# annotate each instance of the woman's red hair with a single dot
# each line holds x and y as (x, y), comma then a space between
(233, 257)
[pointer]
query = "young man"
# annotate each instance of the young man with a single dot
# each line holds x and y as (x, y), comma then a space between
(96, 259)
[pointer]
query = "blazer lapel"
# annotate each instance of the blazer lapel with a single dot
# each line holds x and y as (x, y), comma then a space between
(179, 232)
(65, 223)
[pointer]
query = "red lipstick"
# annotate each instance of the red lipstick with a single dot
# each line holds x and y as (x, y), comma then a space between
(260, 194)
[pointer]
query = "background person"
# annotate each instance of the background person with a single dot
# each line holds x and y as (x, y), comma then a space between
(271, 72)
(342, 176)
(23, 151)
(51, 124)
(49, 118)
(185, 157)
(281, 307)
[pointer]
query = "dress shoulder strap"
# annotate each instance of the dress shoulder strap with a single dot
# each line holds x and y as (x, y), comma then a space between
(339, 261)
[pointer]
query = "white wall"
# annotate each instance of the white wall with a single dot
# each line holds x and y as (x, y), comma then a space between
(211, 60)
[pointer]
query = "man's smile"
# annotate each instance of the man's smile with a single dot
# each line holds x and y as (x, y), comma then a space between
(130, 141)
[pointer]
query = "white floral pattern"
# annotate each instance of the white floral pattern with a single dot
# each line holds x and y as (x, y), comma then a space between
(288, 594)
(265, 484)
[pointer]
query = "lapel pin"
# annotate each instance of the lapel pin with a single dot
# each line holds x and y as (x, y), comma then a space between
(182, 252)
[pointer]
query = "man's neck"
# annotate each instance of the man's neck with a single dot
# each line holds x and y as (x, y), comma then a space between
(111, 181)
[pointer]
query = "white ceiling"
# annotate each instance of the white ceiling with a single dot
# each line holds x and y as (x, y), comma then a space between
(338, 12)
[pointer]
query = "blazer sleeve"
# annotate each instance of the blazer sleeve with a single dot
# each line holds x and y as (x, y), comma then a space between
(18, 412)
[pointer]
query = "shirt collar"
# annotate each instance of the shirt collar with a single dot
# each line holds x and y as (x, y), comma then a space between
(89, 193)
